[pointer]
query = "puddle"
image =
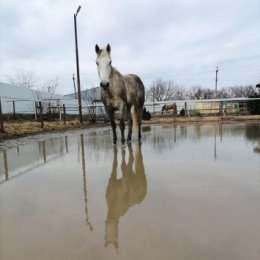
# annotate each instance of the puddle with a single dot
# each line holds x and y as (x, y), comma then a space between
(187, 192)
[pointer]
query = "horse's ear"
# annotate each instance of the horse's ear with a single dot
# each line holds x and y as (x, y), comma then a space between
(97, 49)
(108, 48)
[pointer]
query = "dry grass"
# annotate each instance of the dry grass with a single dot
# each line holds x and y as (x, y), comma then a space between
(230, 118)
(21, 128)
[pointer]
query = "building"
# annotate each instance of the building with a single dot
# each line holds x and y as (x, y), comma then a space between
(92, 99)
(24, 100)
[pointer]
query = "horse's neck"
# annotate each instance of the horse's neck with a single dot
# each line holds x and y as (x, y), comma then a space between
(115, 73)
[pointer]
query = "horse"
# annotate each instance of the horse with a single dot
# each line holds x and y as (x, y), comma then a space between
(120, 92)
(170, 106)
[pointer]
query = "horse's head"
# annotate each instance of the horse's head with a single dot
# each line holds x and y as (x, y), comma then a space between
(104, 65)
(163, 108)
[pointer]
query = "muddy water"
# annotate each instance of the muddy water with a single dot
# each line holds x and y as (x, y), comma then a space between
(187, 192)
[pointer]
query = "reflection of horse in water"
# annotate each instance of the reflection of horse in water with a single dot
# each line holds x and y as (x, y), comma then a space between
(125, 192)
(170, 106)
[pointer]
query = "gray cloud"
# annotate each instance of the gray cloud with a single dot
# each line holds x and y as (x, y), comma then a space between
(179, 40)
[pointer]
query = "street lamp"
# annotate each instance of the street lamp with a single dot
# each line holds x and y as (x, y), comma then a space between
(77, 64)
(216, 83)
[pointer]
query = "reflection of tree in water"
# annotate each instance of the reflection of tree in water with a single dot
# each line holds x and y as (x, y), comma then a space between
(125, 192)
(172, 135)
(252, 133)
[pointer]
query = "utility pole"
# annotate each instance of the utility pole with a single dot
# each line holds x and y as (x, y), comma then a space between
(73, 78)
(216, 85)
(77, 64)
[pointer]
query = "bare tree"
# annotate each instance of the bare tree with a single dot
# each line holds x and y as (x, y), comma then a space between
(49, 86)
(45, 92)
(23, 79)
(161, 90)
(91, 95)
(236, 91)
(208, 93)
(180, 93)
(195, 92)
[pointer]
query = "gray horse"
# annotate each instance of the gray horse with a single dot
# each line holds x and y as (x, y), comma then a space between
(120, 92)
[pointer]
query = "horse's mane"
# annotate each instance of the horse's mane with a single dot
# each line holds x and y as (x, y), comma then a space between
(115, 72)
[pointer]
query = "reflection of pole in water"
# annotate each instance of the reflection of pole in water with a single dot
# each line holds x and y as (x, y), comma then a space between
(66, 144)
(18, 150)
(215, 144)
(78, 150)
(174, 133)
(61, 146)
(44, 151)
(220, 131)
(5, 165)
(85, 181)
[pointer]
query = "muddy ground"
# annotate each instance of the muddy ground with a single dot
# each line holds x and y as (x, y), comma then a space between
(13, 129)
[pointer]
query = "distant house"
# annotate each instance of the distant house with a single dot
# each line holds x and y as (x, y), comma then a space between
(91, 97)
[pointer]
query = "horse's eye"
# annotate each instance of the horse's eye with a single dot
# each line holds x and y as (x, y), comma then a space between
(110, 62)
(97, 63)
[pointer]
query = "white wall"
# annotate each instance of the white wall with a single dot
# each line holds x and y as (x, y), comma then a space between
(25, 99)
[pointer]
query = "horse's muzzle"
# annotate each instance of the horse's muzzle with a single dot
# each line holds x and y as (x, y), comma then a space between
(104, 85)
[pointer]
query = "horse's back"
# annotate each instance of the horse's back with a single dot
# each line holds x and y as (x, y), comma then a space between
(134, 89)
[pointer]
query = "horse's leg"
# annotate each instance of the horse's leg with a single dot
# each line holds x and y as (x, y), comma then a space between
(139, 120)
(122, 122)
(113, 124)
(130, 124)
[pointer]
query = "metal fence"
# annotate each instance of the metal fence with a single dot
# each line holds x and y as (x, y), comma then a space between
(44, 110)
(239, 106)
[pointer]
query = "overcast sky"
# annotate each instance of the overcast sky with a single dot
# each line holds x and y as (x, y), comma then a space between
(179, 40)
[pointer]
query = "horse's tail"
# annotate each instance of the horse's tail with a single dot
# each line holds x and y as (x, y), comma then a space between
(135, 120)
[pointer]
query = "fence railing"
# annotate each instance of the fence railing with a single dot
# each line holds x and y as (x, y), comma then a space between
(91, 113)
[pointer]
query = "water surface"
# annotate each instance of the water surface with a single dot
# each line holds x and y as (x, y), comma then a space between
(187, 192)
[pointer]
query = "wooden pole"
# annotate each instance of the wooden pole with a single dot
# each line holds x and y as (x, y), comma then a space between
(41, 116)
(185, 108)
(13, 109)
(64, 114)
(1, 118)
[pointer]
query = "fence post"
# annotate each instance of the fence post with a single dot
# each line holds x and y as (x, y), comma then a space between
(1, 118)
(185, 108)
(59, 110)
(64, 114)
(41, 116)
(35, 110)
(14, 109)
